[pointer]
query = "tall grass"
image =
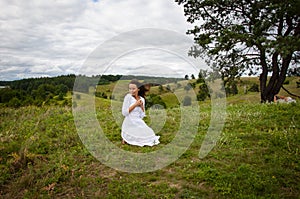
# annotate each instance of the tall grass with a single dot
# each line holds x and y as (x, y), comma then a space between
(257, 156)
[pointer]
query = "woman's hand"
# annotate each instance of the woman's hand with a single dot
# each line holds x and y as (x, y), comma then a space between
(139, 103)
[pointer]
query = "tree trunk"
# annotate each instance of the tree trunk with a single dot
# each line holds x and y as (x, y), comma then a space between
(263, 82)
(263, 76)
(272, 88)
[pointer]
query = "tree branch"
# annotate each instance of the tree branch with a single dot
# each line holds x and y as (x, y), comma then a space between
(213, 19)
(290, 92)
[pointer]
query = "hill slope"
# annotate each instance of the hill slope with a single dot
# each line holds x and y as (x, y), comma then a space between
(257, 154)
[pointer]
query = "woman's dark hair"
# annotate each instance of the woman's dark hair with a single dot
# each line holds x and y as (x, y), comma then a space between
(139, 85)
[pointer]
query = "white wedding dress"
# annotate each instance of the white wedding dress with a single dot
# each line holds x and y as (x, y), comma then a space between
(134, 130)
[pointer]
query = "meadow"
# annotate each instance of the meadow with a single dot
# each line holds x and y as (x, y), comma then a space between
(256, 156)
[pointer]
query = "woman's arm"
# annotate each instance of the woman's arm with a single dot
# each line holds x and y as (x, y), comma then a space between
(126, 108)
(142, 113)
(143, 104)
(137, 103)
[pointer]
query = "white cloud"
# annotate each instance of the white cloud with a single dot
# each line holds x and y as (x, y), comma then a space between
(49, 38)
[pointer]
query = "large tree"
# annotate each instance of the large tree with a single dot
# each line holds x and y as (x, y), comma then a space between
(247, 36)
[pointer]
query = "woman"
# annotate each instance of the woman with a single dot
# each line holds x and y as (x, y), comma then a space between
(134, 130)
(278, 98)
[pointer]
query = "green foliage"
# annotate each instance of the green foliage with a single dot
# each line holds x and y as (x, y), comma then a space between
(168, 87)
(236, 38)
(60, 96)
(254, 88)
(154, 99)
(33, 83)
(231, 88)
(7, 94)
(14, 102)
(160, 88)
(107, 79)
(101, 94)
(203, 92)
(36, 91)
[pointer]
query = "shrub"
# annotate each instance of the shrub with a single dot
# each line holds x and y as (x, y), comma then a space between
(231, 89)
(203, 92)
(154, 99)
(60, 96)
(14, 102)
(254, 88)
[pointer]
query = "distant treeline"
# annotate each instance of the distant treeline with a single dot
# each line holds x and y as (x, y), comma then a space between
(46, 90)
(31, 84)
(35, 91)
(84, 83)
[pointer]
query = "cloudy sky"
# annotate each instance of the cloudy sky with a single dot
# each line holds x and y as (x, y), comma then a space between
(50, 38)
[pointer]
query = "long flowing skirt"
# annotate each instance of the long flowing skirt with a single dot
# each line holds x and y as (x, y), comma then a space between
(136, 132)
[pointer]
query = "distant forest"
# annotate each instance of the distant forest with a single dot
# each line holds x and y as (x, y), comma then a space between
(49, 90)
(35, 91)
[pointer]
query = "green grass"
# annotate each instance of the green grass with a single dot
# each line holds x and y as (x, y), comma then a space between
(257, 155)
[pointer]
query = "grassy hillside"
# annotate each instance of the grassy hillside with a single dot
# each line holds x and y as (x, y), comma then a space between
(257, 155)
(177, 91)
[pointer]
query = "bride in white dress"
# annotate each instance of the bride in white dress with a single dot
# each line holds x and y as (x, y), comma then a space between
(134, 130)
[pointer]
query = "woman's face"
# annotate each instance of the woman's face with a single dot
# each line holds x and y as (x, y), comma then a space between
(133, 89)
